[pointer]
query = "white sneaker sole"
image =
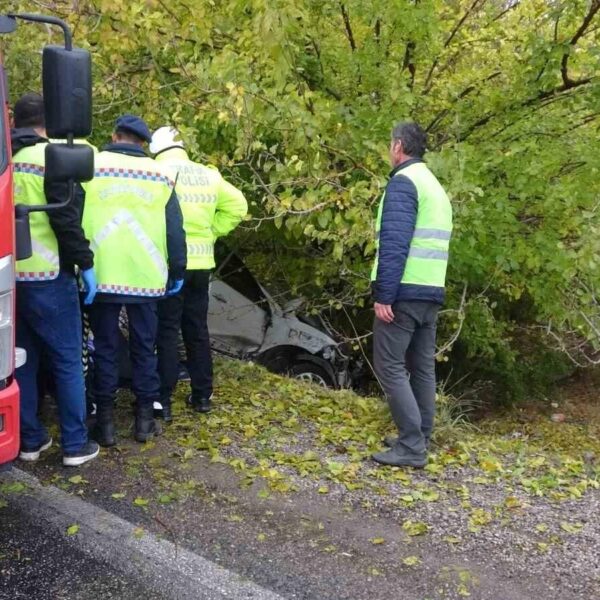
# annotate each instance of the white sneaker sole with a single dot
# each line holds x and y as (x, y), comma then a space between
(75, 461)
(33, 456)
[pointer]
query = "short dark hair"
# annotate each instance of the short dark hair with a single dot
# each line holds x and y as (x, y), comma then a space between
(128, 136)
(413, 138)
(29, 111)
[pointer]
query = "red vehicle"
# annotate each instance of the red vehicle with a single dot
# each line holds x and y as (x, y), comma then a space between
(67, 88)
(9, 391)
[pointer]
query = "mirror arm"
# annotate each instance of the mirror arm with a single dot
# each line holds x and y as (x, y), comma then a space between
(49, 21)
(24, 209)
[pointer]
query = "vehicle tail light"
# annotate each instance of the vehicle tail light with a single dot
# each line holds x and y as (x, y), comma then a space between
(7, 349)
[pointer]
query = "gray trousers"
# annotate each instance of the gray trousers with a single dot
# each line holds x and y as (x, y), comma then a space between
(404, 361)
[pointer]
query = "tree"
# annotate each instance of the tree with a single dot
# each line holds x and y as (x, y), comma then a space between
(295, 102)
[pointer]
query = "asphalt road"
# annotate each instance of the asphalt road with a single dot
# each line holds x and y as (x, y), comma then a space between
(55, 545)
(36, 561)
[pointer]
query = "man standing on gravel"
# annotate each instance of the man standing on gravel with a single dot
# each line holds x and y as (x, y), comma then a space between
(413, 230)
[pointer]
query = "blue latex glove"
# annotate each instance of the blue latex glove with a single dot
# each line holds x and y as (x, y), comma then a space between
(174, 286)
(89, 285)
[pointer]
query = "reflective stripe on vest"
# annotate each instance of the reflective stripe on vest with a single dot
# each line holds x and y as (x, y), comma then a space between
(196, 187)
(200, 250)
(124, 217)
(28, 180)
(427, 259)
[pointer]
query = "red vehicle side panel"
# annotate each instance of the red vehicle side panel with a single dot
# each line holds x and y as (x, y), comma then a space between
(9, 396)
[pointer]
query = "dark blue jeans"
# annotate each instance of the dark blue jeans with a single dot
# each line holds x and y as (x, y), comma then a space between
(188, 312)
(143, 322)
(49, 322)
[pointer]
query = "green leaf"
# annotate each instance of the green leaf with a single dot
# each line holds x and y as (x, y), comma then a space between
(415, 528)
(140, 501)
(452, 539)
(571, 527)
(12, 488)
(72, 529)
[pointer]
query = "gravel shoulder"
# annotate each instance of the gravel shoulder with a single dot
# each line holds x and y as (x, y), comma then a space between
(277, 486)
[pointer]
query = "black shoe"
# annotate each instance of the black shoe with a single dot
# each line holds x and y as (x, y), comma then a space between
(398, 458)
(145, 425)
(391, 440)
(162, 410)
(167, 415)
(32, 454)
(201, 405)
(87, 453)
(104, 429)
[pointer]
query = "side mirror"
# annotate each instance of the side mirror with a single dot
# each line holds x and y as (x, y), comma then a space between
(66, 163)
(67, 87)
(23, 247)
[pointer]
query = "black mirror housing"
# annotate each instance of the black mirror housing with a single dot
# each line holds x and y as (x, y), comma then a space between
(69, 163)
(67, 87)
(23, 247)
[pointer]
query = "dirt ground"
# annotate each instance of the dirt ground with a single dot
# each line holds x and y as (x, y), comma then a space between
(277, 485)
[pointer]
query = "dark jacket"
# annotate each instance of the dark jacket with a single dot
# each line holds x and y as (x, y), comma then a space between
(176, 246)
(398, 221)
(73, 247)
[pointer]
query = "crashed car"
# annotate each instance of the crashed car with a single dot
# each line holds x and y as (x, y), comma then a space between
(246, 322)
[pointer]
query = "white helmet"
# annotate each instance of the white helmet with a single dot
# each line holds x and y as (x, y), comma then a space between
(165, 137)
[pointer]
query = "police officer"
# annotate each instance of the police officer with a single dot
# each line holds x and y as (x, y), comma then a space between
(414, 225)
(211, 208)
(134, 222)
(48, 312)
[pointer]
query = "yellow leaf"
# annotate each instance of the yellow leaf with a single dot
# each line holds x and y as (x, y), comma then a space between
(72, 529)
(414, 528)
(452, 539)
(377, 541)
(411, 561)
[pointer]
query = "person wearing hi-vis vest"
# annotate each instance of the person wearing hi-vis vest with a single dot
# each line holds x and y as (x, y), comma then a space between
(413, 230)
(133, 220)
(48, 312)
(211, 208)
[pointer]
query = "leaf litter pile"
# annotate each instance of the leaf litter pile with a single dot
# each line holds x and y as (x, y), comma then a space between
(526, 489)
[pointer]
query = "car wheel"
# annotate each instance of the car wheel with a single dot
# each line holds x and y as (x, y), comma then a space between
(311, 373)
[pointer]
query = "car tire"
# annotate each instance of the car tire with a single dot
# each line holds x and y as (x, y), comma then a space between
(311, 373)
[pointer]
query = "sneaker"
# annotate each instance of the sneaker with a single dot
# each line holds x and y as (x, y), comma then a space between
(87, 453)
(32, 454)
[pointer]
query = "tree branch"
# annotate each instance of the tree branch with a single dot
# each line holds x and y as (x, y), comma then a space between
(506, 10)
(449, 39)
(460, 96)
(567, 81)
(409, 62)
(348, 27)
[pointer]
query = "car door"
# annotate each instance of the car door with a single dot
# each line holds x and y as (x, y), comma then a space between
(238, 312)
